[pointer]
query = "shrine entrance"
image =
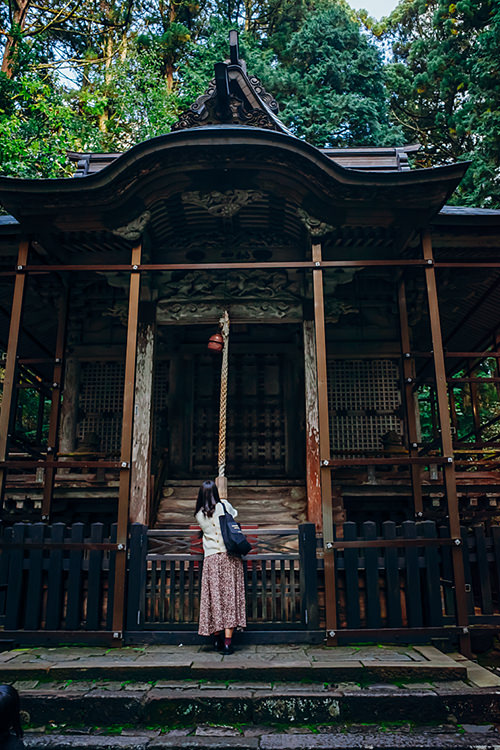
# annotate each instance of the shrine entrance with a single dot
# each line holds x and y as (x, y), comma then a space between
(265, 404)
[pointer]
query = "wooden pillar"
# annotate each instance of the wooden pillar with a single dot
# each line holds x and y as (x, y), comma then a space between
(126, 447)
(447, 444)
(69, 407)
(474, 400)
(9, 383)
(143, 415)
(55, 406)
(496, 348)
(409, 398)
(324, 446)
(312, 426)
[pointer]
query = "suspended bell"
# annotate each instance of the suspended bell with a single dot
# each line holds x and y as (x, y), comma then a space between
(216, 342)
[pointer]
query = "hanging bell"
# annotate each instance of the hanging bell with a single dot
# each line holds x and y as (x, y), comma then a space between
(216, 342)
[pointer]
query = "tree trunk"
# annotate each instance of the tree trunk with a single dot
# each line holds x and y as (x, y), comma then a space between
(18, 22)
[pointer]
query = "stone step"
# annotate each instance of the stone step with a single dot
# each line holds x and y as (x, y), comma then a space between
(180, 704)
(258, 664)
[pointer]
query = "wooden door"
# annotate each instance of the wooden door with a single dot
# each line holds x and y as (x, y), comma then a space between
(265, 413)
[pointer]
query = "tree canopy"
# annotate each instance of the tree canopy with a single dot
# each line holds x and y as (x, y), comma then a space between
(92, 75)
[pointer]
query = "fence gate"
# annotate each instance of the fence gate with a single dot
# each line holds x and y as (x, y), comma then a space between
(165, 568)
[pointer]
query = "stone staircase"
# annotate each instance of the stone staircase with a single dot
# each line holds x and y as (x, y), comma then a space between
(267, 504)
(264, 697)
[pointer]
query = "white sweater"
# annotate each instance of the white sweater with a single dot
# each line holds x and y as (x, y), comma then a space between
(213, 542)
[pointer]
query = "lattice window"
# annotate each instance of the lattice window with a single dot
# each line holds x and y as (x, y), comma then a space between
(363, 401)
(101, 400)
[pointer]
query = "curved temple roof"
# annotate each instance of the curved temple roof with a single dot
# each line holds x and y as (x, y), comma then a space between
(231, 139)
(227, 157)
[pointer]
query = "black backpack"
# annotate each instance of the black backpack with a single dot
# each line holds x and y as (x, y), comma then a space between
(234, 539)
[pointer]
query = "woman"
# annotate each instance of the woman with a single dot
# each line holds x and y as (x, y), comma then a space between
(222, 602)
(10, 722)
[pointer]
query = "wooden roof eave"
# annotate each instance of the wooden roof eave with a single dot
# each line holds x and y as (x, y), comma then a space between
(130, 183)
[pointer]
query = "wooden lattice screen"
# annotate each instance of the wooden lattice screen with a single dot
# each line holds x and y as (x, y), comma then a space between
(364, 401)
(101, 400)
(256, 420)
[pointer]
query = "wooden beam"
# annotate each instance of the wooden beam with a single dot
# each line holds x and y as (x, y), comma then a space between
(313, 468)
(408, 366)
(126, 449)
(9, 383)
(324, 446)
(447, 444)
(55, 406)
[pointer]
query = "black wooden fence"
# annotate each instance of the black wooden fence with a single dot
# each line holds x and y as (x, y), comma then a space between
(59, 579)
(56, 578)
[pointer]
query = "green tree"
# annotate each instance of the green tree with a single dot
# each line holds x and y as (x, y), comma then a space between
(445, 87)
(330, 80)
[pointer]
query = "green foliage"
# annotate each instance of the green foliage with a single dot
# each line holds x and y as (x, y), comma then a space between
(331, 82)
(104, 76)
(445, 84)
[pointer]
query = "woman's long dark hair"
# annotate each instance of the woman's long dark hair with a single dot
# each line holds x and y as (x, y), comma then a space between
(9, 711)
(208, 497)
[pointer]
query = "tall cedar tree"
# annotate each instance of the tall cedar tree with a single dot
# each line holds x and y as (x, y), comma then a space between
(445, 84)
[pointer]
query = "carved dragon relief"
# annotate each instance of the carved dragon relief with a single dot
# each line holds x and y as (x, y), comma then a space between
(225, 204)
(134, 229)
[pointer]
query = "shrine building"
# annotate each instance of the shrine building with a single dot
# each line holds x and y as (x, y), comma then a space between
(363, 379)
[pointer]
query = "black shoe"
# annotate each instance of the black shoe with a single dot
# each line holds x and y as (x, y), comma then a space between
(227, 649)
(218, 642)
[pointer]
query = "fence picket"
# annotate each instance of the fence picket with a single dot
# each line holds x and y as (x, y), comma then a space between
(495, 535)
(182, 590)
(6, 537)
(393, 591)
(467, 570)
(74, 601)
(413, 589)
(351, 564)
(483, 571)
(373, 618)
(447, 572)
(15, 580)
(427, 529)
(94, 592)
(34, 589)
(53, 614)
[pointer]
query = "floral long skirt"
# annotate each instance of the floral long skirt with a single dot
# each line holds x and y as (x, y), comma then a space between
(222, 601)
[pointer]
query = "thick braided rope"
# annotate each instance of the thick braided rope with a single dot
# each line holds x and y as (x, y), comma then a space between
(224, 325)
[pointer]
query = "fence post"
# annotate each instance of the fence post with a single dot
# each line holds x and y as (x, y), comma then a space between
(308, 576)
(136, 579)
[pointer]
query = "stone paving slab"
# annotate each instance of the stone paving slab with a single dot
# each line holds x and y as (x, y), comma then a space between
(471, 737)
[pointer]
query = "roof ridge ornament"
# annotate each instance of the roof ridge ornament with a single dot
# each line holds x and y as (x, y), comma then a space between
(233, 98)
